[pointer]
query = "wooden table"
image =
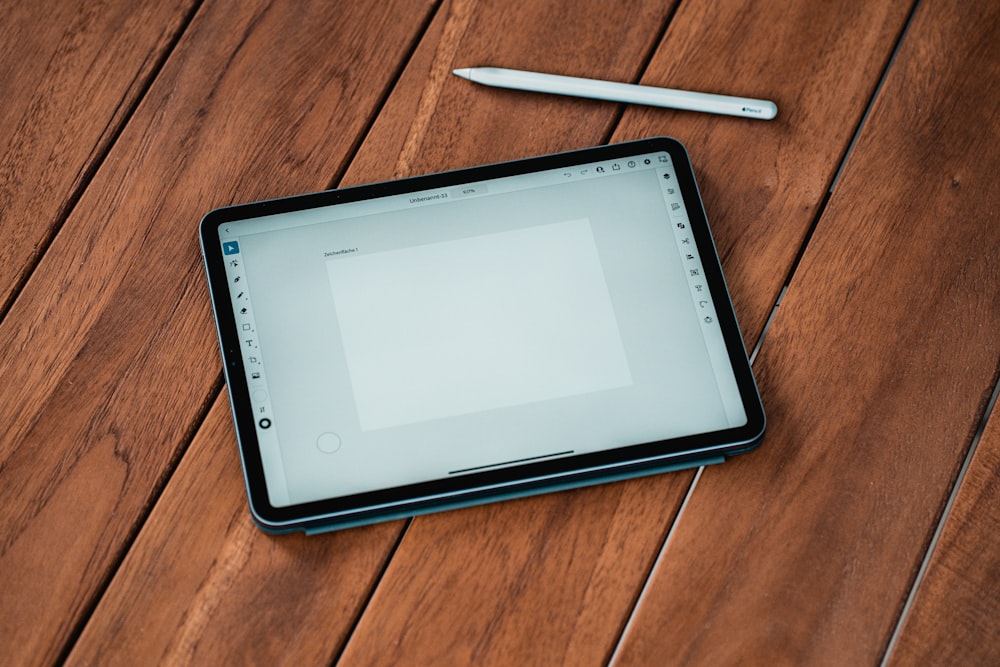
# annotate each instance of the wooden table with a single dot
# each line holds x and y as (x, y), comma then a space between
(862, 530)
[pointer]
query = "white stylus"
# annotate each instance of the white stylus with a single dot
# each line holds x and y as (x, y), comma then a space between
(620, 92)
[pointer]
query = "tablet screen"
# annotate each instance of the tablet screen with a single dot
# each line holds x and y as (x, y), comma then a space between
(437, 333)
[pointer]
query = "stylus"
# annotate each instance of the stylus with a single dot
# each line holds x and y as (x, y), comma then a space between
(619, 92)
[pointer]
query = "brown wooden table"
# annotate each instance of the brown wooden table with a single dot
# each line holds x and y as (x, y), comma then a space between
(863, 529)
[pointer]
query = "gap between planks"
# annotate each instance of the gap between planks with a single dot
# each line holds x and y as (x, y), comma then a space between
(101, 151)
(942, 522)
(656, 567)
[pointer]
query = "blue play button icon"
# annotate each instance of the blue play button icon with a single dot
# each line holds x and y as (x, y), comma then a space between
(230, 247)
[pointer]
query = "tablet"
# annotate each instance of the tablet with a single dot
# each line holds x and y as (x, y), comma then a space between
(475, 335)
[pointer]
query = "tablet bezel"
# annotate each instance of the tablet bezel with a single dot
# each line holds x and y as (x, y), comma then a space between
(532, 477)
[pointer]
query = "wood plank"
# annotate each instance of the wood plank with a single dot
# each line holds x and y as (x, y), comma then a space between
(955, 616)
(553, 579)
(109, 355)
(213, 587)
(53, 136)
(875, 372)
(134, 606)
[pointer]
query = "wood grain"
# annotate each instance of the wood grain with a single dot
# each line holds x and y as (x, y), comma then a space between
(553, 579)
(875, 373)
(109, 356)
(955, 616)
(164, 627)
(70, 74)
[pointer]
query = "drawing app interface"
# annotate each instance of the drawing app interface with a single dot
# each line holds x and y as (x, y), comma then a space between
(432, 334)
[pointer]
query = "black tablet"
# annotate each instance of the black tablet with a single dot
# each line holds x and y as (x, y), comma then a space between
(464, 337)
